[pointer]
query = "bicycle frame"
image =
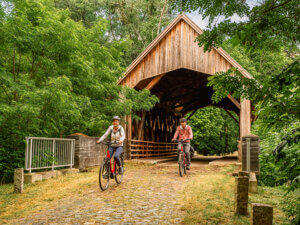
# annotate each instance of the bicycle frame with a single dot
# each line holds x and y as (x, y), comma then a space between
(112, 168)
(181, 149)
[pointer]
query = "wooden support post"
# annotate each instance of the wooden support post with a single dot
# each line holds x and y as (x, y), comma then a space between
(141, 125)
(129, 135)
(245, 123)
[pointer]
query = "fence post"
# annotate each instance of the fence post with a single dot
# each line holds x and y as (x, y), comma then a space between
(26, 153)
(30, 155)
(53, 149)
(72, 150)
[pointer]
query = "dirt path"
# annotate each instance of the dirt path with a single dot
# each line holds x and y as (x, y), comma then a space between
(148, 195)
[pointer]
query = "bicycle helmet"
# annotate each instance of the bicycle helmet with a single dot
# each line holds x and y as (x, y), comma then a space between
(183, 120)
(116, 118)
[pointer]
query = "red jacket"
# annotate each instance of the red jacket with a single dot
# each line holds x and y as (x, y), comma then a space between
(185, 133)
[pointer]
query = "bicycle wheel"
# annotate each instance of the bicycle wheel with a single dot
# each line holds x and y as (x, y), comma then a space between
(104, 181)
(180, 164)
(184, 164)
(118, 176)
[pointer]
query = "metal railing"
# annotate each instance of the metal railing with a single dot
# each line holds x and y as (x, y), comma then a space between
(42, 153)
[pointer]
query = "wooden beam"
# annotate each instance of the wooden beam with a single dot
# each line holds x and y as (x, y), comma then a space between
(129, 134)
(231, 116)
(234, 101)
(192, 114)
(141, 125)
(154, 81)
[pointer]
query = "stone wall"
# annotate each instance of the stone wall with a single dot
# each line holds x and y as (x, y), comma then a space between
(87, 152)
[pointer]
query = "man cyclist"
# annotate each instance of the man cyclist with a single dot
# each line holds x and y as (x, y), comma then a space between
(184, 132)
(117, 137)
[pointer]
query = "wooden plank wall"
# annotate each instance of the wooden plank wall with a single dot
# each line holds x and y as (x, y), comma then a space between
(178, 49)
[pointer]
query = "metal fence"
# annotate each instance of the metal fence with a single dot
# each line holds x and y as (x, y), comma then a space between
(42, 153)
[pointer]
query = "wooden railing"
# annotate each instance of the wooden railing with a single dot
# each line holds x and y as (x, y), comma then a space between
(149, 149)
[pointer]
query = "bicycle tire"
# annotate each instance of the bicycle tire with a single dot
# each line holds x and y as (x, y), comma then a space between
(103, 182)
(118, 176)
(180, 164)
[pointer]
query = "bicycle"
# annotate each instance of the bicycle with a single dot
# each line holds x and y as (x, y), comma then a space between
(182, 159)
(110, 171)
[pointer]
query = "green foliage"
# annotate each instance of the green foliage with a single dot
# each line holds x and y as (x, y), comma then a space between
(291, 205)
(279, 159)
(57, 77)
(215, 133)
(266, 25)
(268, 38)
(138, 21)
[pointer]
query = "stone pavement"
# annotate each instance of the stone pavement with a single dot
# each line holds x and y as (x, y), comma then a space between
(147, 196)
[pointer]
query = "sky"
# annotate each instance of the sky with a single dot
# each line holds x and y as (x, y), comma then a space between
(197, 18)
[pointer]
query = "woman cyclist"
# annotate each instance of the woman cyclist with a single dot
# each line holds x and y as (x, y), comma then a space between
(117, 137)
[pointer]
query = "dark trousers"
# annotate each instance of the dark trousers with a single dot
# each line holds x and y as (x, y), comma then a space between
(186, 149)
(118, 151)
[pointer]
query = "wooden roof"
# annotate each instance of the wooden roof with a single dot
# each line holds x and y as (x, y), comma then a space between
(176, 48)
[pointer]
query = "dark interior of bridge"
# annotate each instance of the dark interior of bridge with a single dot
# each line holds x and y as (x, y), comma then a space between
(180, 92)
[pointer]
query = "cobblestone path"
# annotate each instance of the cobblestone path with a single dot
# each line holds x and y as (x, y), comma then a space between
(147, 196)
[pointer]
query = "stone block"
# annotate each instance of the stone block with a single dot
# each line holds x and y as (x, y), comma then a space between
(18, 180)
(58, 173)
(235, 174)
(261, 214)
(243, 173)
(48, 174)
(30, 178)
(241, 195)
(253, 183)
(69, 171)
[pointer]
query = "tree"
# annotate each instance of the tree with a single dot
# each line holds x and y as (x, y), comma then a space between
(57, 77)
(269, 35)
(138, 21)
(215, 133)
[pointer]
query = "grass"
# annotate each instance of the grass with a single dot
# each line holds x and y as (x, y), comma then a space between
(209, 199)
(43, 194)
(207, 196)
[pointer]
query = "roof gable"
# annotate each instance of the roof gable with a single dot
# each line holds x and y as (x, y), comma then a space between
(174, 48)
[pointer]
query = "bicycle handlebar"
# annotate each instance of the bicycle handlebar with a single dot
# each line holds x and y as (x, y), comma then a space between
(108, 143)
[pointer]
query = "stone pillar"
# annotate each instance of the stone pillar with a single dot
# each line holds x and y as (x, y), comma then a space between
(261, 214)
(250, 142)
(253, 183)
(241, 195)
(87, 152)
(18, 180)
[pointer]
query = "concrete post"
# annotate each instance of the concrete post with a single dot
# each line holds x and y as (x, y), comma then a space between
(241, 195)
(18, 180)
(261, 214)
(253, 183)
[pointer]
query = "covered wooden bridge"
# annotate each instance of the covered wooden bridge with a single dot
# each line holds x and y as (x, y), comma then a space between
(174, 68)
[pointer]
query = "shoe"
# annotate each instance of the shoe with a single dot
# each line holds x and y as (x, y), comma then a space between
(120, 170)
(188, 167)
